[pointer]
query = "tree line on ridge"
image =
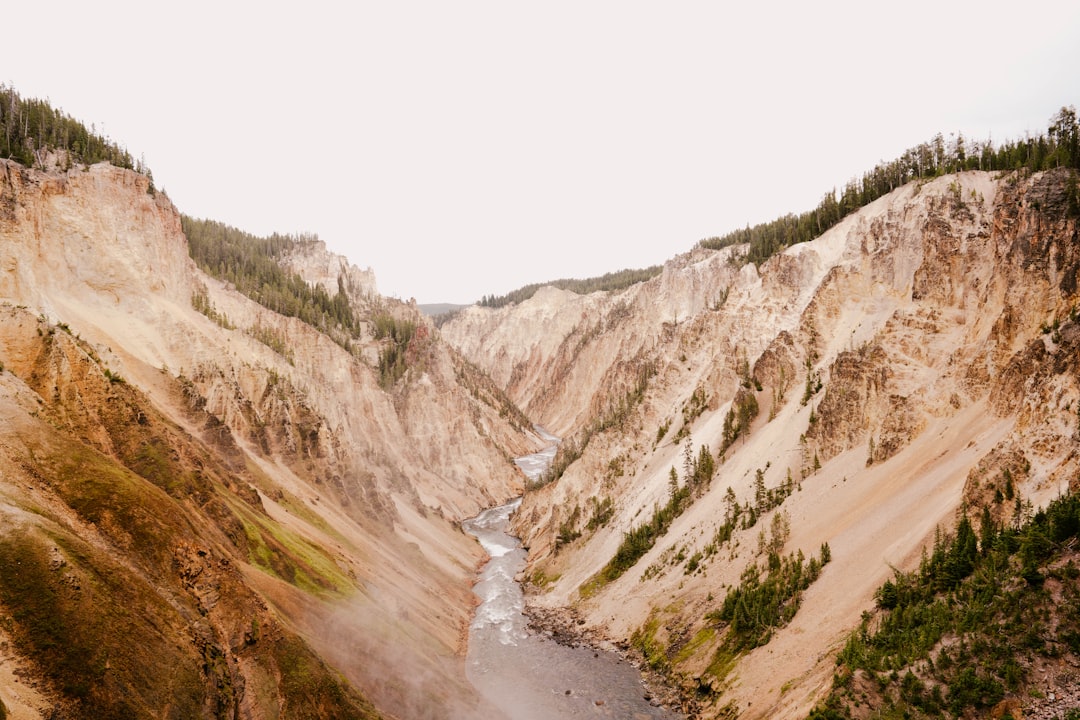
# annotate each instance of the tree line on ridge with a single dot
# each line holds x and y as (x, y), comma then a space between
(1058, 147)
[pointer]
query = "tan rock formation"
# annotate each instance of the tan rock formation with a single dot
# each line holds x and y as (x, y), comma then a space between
(898, 362)
(298, 495)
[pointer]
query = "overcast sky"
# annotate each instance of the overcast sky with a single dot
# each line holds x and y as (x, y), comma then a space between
(463, 148)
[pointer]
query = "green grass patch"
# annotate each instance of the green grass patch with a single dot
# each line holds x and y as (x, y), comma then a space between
(155, 461)
(703, 637)
(723, 662)
(291, 557)
(292, 504)
(644, 639)
(593, 585)
(542, 580)
(102, 635)
(132, 512)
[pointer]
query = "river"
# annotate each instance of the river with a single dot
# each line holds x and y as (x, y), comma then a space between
(529, 676)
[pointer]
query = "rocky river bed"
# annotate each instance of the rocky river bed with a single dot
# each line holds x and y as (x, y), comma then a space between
(534, 665)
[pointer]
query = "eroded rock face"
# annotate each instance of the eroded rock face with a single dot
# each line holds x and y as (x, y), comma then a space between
(899, 363)
(310, 259)
(297, 496)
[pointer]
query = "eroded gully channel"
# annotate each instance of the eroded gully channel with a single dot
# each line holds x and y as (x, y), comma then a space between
(529, 676)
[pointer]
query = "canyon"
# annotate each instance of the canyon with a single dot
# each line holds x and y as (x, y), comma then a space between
(287, 531)
(876, 383)
(195, 523)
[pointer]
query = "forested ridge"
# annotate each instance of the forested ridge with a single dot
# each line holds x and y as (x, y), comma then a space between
(29, 128)
(618, 280)
(35, 134)
(1058, 147)
(251, 264)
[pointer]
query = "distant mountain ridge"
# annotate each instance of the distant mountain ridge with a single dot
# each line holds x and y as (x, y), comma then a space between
(433, 309)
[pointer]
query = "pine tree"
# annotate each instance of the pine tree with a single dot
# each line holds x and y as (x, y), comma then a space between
(730, 506)
(760, 494)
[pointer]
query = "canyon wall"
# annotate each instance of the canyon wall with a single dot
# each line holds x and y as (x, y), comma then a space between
(263, 516)
(858, 391)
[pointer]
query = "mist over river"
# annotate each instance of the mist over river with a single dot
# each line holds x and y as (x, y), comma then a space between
(528, 676)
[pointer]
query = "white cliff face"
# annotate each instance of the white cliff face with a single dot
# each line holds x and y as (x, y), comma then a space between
(381, 476)
(312, 261)
(70, 229)
(922, 315)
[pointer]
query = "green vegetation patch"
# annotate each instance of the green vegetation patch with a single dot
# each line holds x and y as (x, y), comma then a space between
(722, 663)
(200, 300)
(639, 539)
(702, 638)
(292, 504)
(602, 512)
(29, 126)
(132, 512)
(967, 628)
(644, 639)
(618, 412)
(758, 606)
(272, 339)
(251, 264)
(289, 556)
(743, 410)
(396, 334)
(484, 389)
(155, 461)
(312, 690)
(691, 410)
(542, 580)
(102, 635)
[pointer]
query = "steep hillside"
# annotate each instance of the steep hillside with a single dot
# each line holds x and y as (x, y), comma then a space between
(197, 486)
(122, 535)
(850, 394)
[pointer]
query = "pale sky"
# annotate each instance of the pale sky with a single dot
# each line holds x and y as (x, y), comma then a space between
(462, 148)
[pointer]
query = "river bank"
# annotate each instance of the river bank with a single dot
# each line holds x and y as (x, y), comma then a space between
(565, 627)
(516, 660)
